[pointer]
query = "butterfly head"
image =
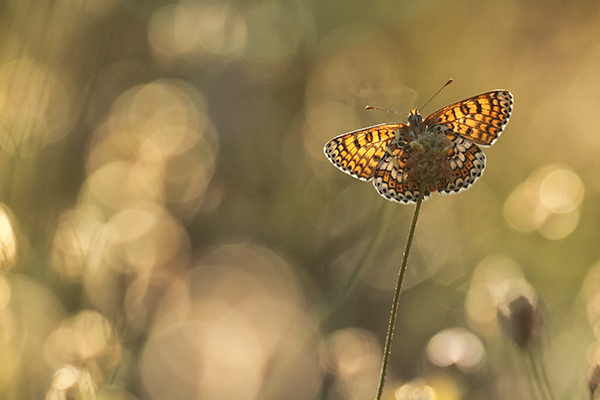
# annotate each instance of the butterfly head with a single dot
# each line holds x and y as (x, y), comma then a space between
(414, 118)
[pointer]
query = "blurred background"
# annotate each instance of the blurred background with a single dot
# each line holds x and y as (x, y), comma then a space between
(170, 227)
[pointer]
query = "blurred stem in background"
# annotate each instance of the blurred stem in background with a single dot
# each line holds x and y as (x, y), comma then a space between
(521, 321)
(537, 375)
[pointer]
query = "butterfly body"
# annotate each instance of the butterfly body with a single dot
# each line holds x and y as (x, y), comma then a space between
(440, 150)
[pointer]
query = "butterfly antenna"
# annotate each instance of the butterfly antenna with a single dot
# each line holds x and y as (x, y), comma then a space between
(436, 93)
(382, 109)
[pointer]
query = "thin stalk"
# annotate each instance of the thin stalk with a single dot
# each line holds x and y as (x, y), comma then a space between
(390, 334)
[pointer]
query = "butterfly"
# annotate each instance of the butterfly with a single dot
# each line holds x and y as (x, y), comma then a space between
(441, 150)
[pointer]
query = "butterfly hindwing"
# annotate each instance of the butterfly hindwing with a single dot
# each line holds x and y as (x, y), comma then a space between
(392, 179)
(466, 163)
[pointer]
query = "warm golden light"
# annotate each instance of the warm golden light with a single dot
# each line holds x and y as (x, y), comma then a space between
(171, 31)
(561, 190)
(547, 202)
(73, 239)
(170, 227)
(352, 356)
(495, 282)
(415, 391)
(88, 337)
(240, 311)
(221, 30)
(8, 241)
(35, 106)
(456, 346)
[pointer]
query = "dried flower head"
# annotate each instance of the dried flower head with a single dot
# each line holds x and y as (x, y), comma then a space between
(428, 161)
(521, 322)
(594, 380)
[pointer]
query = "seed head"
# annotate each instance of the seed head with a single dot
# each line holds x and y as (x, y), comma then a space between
(521, 322)
(428, 160)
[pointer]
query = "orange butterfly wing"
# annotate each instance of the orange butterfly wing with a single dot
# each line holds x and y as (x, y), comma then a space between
(393, 180)
(480, 119)
(359, 153)
(466, 162)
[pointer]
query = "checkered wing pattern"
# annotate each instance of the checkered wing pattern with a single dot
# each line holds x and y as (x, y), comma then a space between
(359, 153)
(480, 119)
(393, 181)
(398, 156)
(467, 162)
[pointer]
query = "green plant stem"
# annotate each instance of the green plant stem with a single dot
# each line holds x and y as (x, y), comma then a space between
(390, 334)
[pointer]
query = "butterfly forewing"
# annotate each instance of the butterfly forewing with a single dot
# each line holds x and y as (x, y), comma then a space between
(481, 119)
(359, 153)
